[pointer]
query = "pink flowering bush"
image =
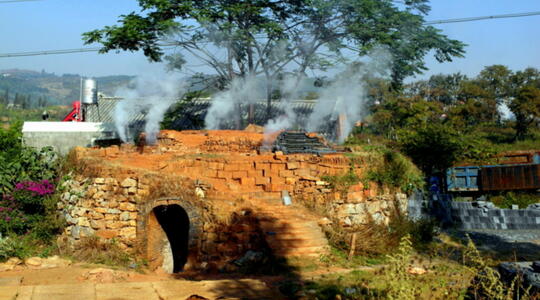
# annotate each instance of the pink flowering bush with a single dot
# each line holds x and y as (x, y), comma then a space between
(28, 209)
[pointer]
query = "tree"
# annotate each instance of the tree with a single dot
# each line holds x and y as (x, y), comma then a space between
(496, 79)
(475, 106)
(433, 148)
(445, 88)
(268, 37)
(526, 108)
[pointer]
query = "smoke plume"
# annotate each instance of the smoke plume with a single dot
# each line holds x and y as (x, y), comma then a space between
(226, 104)
(346, 96)
(149, 96)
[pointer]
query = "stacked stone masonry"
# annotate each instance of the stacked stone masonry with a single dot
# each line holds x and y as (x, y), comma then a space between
(220, 174)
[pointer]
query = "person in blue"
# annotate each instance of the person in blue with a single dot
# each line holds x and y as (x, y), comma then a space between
(434, 184)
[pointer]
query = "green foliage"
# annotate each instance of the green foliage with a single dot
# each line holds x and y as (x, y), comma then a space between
(526, 108)
(342, 182)
(400, 286)
(288, 27)
(396, 171)
(522, 199)
(20, 163)
(27, 202)
(434, 147)
(488, 284)
(14, 247)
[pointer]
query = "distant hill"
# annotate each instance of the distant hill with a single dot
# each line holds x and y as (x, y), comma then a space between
(56, 89)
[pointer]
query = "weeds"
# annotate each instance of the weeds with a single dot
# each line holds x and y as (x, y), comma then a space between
(399, 280)
(396, 171)
(522, 199)
(488, 284)
(97, 251)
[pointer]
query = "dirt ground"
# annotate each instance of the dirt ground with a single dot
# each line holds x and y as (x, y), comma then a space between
(84, 281)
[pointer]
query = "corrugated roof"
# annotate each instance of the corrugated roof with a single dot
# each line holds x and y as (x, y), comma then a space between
(191, 114)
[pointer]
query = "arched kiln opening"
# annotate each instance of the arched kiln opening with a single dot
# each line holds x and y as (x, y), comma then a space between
(174, 221)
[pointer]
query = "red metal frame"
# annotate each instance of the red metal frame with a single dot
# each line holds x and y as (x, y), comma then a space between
(76, 114)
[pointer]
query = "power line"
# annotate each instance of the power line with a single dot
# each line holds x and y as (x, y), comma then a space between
(527, 14)
(80, 50)
(13, 1)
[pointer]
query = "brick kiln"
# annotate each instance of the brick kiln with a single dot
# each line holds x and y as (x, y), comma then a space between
(198, 199)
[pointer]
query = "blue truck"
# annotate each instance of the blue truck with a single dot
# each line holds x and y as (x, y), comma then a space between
(516, 171)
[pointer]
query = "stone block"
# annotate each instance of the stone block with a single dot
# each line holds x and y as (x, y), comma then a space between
(101, 210)
(114, 225)
(83, 222)
(107, 234)
(97, 224)
(99, 180)
(124, 216)
(128, 182)
(128, 232)
(111, 217)
(355, 197)
(87, 232)
(132, 190)
(127, 206)
(111, 181)
(76, 232)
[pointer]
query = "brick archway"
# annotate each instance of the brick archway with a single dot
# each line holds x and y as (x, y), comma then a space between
(153, 236)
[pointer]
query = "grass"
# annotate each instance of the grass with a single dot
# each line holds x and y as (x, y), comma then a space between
(507, 199)
(24, 247)
(98, 251)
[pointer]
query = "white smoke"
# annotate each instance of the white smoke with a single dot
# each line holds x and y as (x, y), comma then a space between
(346, 96)
(150, 96)
(225, 105)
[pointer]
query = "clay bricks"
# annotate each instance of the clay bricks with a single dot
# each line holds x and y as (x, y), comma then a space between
(261, 166)
(224, 174)
(239, 174)
(286, 173)
(277, 167)
(247, 181)
(262, 180)
(273, 187)
(277, 180)
(292, 165)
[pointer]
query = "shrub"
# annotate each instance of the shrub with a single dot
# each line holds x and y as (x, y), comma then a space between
(400, 285)
(95, 250)
(375, 239)
(522, 199)
(488, 284)
(20, 163)
(30, 208)
(21, 247)
(396, 171)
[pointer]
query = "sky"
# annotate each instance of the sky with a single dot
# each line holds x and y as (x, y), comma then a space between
(58, 24)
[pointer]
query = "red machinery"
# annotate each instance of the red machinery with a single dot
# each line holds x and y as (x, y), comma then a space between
(76, 113)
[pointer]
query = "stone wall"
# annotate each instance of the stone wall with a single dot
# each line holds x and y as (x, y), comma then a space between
(219, 179)
(105, 207)
(484, 215)
(473, 215)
